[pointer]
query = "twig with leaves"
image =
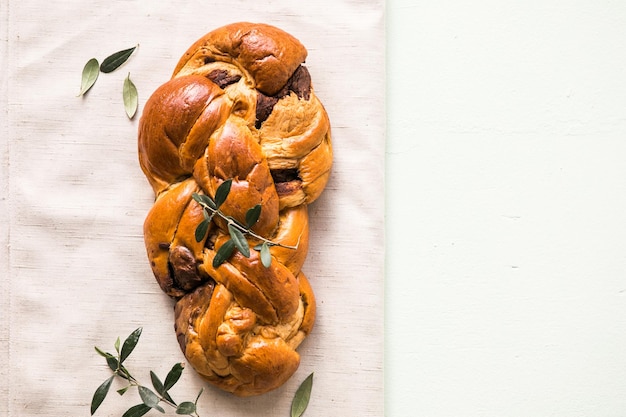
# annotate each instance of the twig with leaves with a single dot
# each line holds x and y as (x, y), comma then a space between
(236, 230)
(150, 399)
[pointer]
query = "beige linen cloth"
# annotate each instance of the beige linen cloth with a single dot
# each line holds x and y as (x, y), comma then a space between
(74, 272)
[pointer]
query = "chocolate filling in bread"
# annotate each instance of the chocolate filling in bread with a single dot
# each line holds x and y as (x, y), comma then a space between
(186, 314)
(223, 78)
(183, 268)
(299, 83)
(286, 180)
(264, 106)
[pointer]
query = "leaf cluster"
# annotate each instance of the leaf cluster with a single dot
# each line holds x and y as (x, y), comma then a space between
(151, 398)
(93, 68)
(236, 230)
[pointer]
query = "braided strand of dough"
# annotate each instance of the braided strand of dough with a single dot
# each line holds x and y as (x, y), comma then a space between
(239, 106)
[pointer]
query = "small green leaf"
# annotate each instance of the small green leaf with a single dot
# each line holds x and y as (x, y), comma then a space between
(266, 256)
(158, 386)
(302, 396)
(122, 391)
(89, 77)
(148, 397)
(252, 215)
(156, 383)
(130, 343)
(240, 240)
(100, 394)
(137, 411)
(117, 345)
(222, 192)
(130, 96)
(186, 408)
(223, 253)
(204, 199)
(113, 61)
(199, 394)
(102, 353)
(113, 363)
(173, 375)
(202, 229)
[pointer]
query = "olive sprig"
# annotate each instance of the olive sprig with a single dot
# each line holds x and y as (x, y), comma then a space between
(236, 230)
(150, 399)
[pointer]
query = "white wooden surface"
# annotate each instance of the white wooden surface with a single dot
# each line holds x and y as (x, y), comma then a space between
(507, 275)
(74, 270)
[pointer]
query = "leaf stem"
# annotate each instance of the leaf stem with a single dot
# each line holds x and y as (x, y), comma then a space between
(216, 211)
(132, 382)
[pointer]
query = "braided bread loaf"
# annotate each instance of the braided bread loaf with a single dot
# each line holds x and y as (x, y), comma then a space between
(239, 107)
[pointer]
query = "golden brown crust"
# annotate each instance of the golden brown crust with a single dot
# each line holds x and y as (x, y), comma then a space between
(240, 106)
(178, 107)
(268, 54)
(234, 153)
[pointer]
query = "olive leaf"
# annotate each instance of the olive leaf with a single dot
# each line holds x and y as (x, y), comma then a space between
(103, 353)
(113, 363)
(137, 411)
(266, 256)
(160, 388)
(202, 229)
(204, 199)
(252, 215)
(173, 375)
(156, 383)
(129, 93)
(113, 61)
(302, 396)
(239, 239)
(186, 408)
(149, 398)
(199, 394)
(100, 394)
(89, 76)
(222, 192)
(129, 344)
(223, 253)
